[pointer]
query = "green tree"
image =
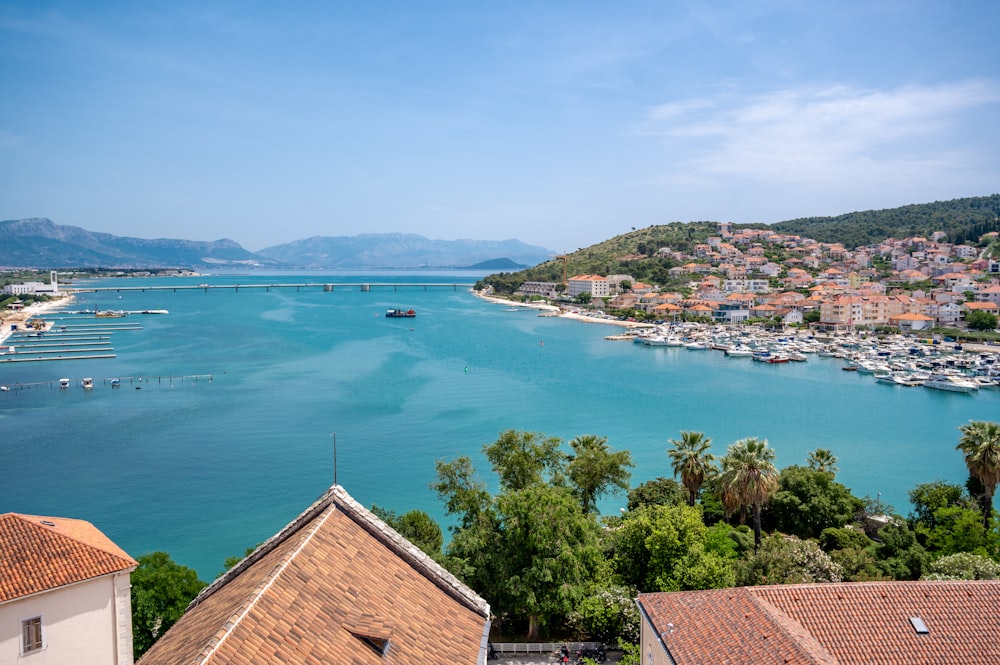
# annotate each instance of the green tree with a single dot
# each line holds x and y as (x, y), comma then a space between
(812, 316)
(656, 492)
(807, 501)
(749, 477)
(595, 470)
(523, 459)
(899, 554)
(464, 494)
(417, 527)
(583, 298)
(606, 615)
(980, 444)
(161, 591)
(980, 320)
(823, 460)
(927, 498)
(691, 461)
(549, 554)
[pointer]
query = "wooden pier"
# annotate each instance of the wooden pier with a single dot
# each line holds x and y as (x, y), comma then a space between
(113, 382)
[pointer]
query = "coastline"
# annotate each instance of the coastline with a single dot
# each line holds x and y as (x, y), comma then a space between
(32, 311)
(555, 310)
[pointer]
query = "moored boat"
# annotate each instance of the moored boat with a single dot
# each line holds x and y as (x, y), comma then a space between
(88, 383)
(400, 313)
(952, 383)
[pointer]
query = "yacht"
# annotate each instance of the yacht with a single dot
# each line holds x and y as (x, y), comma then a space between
(956, 384)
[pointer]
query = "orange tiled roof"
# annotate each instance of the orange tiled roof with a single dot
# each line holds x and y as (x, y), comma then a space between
(851, 623)
(43, 553)
(333, 578)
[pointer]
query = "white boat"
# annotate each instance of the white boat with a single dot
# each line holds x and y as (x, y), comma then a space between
(952, 383)
(909, 380)
(64, 383)
(88, 384)
(696, 346)
(739, 352)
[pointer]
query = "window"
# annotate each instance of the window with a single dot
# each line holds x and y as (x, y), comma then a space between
(31, 635)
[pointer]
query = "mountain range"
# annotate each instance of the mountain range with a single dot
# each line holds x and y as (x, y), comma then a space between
(40, 243)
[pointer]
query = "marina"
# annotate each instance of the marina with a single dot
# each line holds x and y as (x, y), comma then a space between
(289, 367)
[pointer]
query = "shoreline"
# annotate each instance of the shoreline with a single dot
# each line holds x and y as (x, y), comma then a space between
(32, 311)
(555, 310)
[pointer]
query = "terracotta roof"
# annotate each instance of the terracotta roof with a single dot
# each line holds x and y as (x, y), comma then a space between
(334, 586)
(837, 624)
(43, 553)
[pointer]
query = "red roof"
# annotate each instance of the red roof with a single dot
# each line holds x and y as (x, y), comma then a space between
(43, 553)
(334, 586)
(836, 624)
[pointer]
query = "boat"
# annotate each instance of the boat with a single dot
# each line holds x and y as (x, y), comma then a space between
(64, 383)
(88, 383)
(909, 380)
(400, 313)
(952, 383)
(110, 314)
(739, 352)
(115, 383)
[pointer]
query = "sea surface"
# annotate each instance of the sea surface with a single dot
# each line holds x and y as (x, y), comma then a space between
(240, 440)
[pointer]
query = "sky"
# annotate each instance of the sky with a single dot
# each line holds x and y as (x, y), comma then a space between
(557, 123)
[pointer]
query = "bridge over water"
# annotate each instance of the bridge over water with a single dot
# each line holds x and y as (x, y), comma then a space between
(298, 286)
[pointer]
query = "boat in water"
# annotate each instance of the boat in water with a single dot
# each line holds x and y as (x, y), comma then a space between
(88, 384)
(950, 382)
(64, 383)
(400, 313)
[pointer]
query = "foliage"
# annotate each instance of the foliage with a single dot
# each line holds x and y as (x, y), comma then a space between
(749, 478)
(594, 470)
(899, 555)
(231, 561)
(417, 527)
(808, 501)
(606, 615)
(959, 530)
(980, 320)
(691, 460)
(523, 459)
(964, 220)
(787, 560)
(964, 566)
(161, 591)
(980, 444)
(927, 498)
(823, 460)
(656, 492)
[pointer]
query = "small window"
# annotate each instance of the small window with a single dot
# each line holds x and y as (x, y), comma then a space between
(31, 635)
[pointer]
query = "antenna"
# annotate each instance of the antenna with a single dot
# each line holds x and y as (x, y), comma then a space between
(334, 435)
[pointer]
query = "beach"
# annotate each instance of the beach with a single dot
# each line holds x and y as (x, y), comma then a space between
(13, 321)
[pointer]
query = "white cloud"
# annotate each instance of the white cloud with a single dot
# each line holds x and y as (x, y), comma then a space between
(822, 135)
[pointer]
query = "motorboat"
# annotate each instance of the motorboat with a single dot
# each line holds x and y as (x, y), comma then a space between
(951, 383)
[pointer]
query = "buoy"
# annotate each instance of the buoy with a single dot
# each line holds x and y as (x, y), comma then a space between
(541, 343)
(466, 369)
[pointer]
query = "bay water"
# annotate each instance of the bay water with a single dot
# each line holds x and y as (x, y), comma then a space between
(230, 432)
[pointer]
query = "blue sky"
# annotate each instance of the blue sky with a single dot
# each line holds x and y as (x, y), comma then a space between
(557, 123)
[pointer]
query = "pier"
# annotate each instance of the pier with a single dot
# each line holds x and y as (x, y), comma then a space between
(111, 382)
(323, 286)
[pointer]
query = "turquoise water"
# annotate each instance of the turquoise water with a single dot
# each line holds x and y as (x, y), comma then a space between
(204, 469)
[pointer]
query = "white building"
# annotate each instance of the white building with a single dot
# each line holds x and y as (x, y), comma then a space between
(39, 288)
(596, 285)
(64, 593)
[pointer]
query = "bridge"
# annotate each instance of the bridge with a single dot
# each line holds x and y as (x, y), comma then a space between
(325, 286)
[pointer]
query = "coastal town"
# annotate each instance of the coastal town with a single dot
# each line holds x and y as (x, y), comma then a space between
(911, 284)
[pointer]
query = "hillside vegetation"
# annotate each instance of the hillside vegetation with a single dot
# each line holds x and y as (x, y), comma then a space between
(636, 253)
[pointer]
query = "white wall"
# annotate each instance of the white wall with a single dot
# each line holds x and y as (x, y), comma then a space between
(81, 624)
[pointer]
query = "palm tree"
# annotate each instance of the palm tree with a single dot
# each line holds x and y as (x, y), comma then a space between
(980, 443)
(750, 476)
(691, 461)
(823, 460)
(594, 469)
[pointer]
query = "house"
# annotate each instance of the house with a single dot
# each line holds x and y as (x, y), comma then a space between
(854, 623)
(64, 593)
(596, 285)
(911, 321)
(337, 585)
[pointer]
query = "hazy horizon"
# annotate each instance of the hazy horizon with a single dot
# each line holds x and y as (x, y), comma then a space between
(556, 124)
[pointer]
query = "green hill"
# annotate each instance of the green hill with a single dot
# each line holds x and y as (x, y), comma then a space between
(637, 253)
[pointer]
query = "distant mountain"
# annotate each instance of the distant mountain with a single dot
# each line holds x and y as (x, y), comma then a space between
(39, 243)
(402, 250)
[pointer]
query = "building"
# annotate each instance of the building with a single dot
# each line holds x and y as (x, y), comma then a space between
(543, 289)
(64, 593)
(336, 585)
(37, 288)
(595, 285)
(854, 623)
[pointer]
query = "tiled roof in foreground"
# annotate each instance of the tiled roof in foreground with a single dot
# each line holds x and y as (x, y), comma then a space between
(831, 624)
(334, 586)
(42, 553)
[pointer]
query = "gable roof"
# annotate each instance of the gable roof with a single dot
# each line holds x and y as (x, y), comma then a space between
(830, 624)
(43, 553)
(336, 585)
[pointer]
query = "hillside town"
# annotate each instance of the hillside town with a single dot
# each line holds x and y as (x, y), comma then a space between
(911, 284)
